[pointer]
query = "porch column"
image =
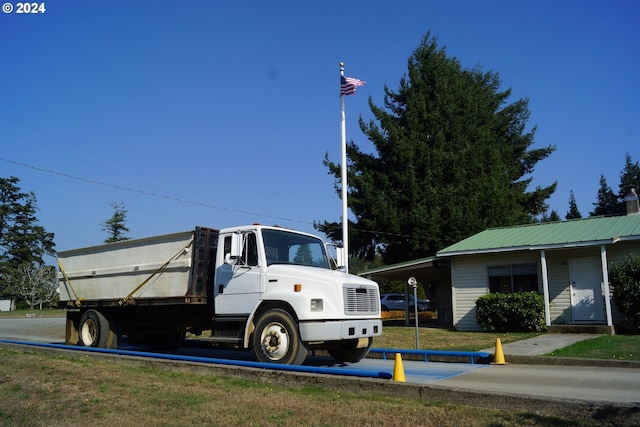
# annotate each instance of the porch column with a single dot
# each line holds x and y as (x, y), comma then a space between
(545, 288)
(605, 281)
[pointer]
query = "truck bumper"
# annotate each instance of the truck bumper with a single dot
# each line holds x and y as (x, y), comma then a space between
(340, 330)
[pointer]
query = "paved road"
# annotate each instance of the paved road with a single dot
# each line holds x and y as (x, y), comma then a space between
(564, 382)
(567, 382)
(39, 329)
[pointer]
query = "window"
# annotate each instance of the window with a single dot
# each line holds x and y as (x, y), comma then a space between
(250, 250)
(513, 278)
(284, 247)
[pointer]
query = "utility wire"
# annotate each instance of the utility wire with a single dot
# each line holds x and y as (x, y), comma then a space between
(148, 193)
(177, 199)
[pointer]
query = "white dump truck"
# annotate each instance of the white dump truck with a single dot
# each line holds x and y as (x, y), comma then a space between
(273, 290)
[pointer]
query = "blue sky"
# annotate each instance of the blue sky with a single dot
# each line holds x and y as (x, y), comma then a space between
(219, 113)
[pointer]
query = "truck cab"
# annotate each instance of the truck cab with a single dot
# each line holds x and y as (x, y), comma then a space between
(281, 285)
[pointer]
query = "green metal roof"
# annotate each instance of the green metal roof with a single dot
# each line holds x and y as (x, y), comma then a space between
(550, 235)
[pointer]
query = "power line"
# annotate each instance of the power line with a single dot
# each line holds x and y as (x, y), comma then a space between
(180, 200)
(152, 194)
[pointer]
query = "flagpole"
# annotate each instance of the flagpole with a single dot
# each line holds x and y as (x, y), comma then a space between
(345, 218)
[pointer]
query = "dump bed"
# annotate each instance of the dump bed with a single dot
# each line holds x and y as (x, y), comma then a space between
(172, 268)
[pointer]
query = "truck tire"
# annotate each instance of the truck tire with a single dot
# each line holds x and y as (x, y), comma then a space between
(347, 351)
(276, 339)
(95, 331)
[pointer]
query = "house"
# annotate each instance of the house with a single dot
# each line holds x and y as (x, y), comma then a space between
(568, 262)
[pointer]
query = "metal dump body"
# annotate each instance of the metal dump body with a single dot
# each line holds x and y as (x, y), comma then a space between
(172, 267)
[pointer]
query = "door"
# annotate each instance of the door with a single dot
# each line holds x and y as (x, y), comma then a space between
(586, 290)
(238, 286)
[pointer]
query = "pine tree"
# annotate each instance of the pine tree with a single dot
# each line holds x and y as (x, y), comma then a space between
(607, 202)
(116, 225)
(573, 212)
(23, 243)
(552, 217)
(452, 158)
(303, 255)
(630, 176)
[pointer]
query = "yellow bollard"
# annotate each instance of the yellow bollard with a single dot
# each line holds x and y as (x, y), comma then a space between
(498, 358)
(398, 370)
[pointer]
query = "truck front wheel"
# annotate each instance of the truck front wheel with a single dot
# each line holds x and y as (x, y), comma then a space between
(276, 339)
(95, 331)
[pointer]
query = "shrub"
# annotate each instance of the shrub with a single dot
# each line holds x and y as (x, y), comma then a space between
(517, 312)
(625, 281)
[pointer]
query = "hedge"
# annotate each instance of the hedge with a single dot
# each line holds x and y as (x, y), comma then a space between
(511, 312)
(625, 281)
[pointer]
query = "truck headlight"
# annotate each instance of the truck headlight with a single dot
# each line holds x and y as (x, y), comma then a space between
(317, 304)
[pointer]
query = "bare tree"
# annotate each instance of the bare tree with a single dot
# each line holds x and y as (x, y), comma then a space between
(36, 284)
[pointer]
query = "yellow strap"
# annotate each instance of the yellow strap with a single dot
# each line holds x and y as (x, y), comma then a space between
(68, 282)
(129, 298)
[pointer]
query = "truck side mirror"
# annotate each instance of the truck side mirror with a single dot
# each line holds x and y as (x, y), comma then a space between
(236, 249)
(236, 245)
(340, 258)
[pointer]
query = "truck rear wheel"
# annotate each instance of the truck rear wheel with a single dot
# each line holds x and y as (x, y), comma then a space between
(348, 351)
(95, 331)
(276, 339)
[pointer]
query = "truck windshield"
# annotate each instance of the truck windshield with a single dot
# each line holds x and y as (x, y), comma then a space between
(285, 247)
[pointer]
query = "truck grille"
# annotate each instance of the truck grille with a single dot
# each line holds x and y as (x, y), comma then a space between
(360, 299)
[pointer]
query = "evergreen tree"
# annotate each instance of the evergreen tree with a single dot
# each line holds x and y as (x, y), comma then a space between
(22, 241)
(116, 225)
(553, 217)
(607, 203)
(630, 175)
(452, 158)
(573, 212)
(610, 203)
(303, 255)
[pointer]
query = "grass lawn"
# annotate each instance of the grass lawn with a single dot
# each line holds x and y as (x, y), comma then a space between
(616, 347)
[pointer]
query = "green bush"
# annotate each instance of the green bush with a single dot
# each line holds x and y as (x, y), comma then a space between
(517, 312)
(625, 281)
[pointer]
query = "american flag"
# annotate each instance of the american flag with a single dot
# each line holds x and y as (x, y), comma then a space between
(348, 85)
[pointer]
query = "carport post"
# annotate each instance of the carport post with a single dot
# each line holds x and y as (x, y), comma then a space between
(414, 284)
(545, 287)
(605, 283)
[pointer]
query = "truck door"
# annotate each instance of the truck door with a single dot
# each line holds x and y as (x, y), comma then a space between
(238, 285)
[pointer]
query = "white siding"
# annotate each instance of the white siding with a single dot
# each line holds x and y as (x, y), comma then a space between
(470, 280)
(619, 251)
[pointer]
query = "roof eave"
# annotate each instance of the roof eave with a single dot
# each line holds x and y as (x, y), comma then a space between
(538, 247)
(425, 262)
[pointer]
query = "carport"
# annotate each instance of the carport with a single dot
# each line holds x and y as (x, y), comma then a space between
(433, 275)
